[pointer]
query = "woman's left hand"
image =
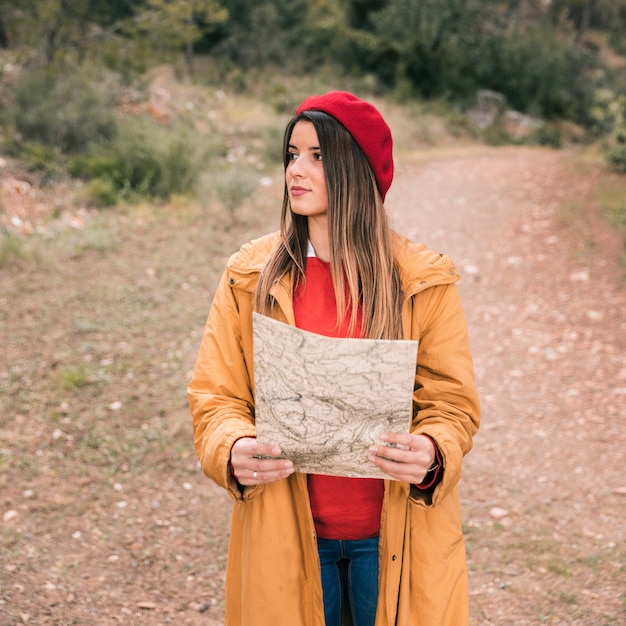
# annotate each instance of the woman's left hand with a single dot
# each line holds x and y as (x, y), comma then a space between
(408, 463)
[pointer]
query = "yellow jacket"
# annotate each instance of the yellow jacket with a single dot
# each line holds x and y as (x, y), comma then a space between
(273, 572)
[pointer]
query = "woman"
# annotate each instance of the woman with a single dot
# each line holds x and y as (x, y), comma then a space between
(301, 543)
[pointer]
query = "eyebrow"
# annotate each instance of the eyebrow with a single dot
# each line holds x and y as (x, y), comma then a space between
(296, 147)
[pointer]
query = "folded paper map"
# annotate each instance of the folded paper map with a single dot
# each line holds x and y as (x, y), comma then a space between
(324, 400)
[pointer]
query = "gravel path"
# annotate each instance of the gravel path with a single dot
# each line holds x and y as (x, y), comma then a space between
(546, 307)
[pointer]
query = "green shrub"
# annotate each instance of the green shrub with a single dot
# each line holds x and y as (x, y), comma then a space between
(101, 192)
(617, 149)
(617, 41)
(605, 112)
(233, 186)
(181, 159)
(130, 160)
(66, 110)
(616, 152)
(609, 114)
(44, 159)
(145, 160)
(536, 72)
(548, 135)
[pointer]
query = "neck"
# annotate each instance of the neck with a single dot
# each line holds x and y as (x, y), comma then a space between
(318, 236)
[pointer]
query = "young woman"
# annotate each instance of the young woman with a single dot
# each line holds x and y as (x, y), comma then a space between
(301, 544)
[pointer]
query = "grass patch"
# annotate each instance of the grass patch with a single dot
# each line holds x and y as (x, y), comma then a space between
(612, 205)
(15, 251)
(558, 567)
(10, 540)
(76, 377)
(612, 201)
(568, 597)
(587, 216)
(572, 215)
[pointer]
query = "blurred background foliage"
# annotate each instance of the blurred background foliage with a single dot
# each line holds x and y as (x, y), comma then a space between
(559, 62)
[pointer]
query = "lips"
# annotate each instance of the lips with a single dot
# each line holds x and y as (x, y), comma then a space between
(298, 191)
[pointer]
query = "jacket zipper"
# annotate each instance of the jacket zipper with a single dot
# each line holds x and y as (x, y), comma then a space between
(313, 535)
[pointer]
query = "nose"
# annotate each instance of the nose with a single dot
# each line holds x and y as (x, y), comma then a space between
(295, 168)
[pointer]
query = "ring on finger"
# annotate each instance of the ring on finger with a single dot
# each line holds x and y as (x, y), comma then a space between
(254, 475)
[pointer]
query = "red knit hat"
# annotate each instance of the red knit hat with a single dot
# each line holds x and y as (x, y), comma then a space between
(367, 127)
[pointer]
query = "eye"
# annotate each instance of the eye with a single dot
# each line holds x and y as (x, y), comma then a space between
(291, 156)
(317, 156)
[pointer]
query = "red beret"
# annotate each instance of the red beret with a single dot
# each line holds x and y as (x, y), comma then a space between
(367, 127)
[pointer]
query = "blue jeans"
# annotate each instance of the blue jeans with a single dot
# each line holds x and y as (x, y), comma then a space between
(350, 572)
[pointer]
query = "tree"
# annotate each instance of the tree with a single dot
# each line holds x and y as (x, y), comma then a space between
(176, 25)
(260, 33)
(56, 28)
(359, 12)
(4, 37)
(425, 40)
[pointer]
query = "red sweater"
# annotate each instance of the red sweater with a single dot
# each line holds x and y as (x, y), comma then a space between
(343, 508)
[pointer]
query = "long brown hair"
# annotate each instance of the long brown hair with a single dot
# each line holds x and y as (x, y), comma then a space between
(361, 257)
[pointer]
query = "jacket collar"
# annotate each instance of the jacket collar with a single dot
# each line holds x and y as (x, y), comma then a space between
(420, 267)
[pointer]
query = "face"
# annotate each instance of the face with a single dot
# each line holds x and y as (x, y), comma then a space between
(304, 175)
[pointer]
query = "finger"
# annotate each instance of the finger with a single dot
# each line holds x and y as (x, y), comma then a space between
(266, 450)
(267, 473)
(245, 450)
(267, 466)
(275, 474)
(399, 471)
(396, 455)
(405, 440)
(397, 438)
(407, 465)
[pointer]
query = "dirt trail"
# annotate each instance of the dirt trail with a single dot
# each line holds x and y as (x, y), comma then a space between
(544, 489)
(105, 515)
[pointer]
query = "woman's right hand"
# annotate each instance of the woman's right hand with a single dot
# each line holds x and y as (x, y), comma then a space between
(250, 465)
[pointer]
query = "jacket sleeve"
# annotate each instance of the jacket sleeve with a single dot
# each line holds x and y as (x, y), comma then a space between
(221, 391)
(446, 405)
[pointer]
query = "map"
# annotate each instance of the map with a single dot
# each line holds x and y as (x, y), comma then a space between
(324, 400)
